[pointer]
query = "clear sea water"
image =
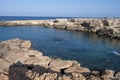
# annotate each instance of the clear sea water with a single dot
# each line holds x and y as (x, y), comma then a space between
(3, 18)
(92, 51)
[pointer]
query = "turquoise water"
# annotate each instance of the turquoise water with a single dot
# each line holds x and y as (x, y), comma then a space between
(91, 50)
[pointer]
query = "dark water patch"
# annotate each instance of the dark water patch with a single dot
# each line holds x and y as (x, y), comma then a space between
(58, 39)
(91, 50)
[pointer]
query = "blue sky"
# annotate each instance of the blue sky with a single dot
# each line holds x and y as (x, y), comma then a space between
(77, 8)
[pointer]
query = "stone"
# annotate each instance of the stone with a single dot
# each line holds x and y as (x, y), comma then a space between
(34, 53)
(19, 62)
(94, 78)
(4, 77)
(26, 44)
(57, 65)
(77, 70)
(109, 74)
(77, 76)
(117, 75)
(64, 78)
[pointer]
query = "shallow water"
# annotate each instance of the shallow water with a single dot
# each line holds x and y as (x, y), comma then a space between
(91, 50)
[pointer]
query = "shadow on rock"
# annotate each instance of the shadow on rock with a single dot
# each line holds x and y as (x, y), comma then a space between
(19, 71)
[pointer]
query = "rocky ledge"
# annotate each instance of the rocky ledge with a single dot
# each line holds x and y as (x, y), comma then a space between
(102, 26)
(18, 61)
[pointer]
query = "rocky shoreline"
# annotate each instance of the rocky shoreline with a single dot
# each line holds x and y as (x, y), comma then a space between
(103, 26)
(18, 61)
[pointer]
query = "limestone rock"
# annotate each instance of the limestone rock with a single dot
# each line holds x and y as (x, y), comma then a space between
(108, 75)
(19, 62)
(77, 70)
(56, 65)
(26, 44)
(77, 76)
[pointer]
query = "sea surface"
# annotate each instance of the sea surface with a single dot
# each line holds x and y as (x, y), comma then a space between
(4, 18)
(92, 51)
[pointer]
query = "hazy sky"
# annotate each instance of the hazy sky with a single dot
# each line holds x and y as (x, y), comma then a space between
(78, 8)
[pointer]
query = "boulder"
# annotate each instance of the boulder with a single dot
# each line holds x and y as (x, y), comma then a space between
(57, 65)
(77, 70)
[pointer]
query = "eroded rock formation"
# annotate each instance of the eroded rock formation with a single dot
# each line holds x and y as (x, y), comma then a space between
(19, 62)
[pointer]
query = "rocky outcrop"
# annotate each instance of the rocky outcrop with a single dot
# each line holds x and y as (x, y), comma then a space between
(19, 62)
(102, 26)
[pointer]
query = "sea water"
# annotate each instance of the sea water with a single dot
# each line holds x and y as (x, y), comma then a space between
(92, 51)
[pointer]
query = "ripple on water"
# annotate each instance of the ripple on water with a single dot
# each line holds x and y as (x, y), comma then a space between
(91, 50)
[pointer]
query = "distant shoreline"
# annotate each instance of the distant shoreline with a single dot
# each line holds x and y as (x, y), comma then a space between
(7, 18)
(103, 26)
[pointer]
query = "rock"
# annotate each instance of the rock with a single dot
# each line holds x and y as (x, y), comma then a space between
(42, 61)
(26, 44)
(4, 77)
(19, 62)
(77, 70)
(48, 76)
(108, 75)
(34, 53)
(64, 78)
(94, 78)
(104, 25)
(77, 76)
(57, 65)
(117, 75)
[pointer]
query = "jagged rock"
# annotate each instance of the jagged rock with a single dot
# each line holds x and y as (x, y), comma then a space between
(77, 76)
(48, 76)
(108, 75)
(94, 78)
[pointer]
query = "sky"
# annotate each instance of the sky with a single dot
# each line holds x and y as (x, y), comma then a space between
(60, 8)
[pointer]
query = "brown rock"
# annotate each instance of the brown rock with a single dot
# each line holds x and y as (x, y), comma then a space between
(26, 44)
(4, 77)
(77, 76)
(108, 75)
(77, 69)
(56, 65)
